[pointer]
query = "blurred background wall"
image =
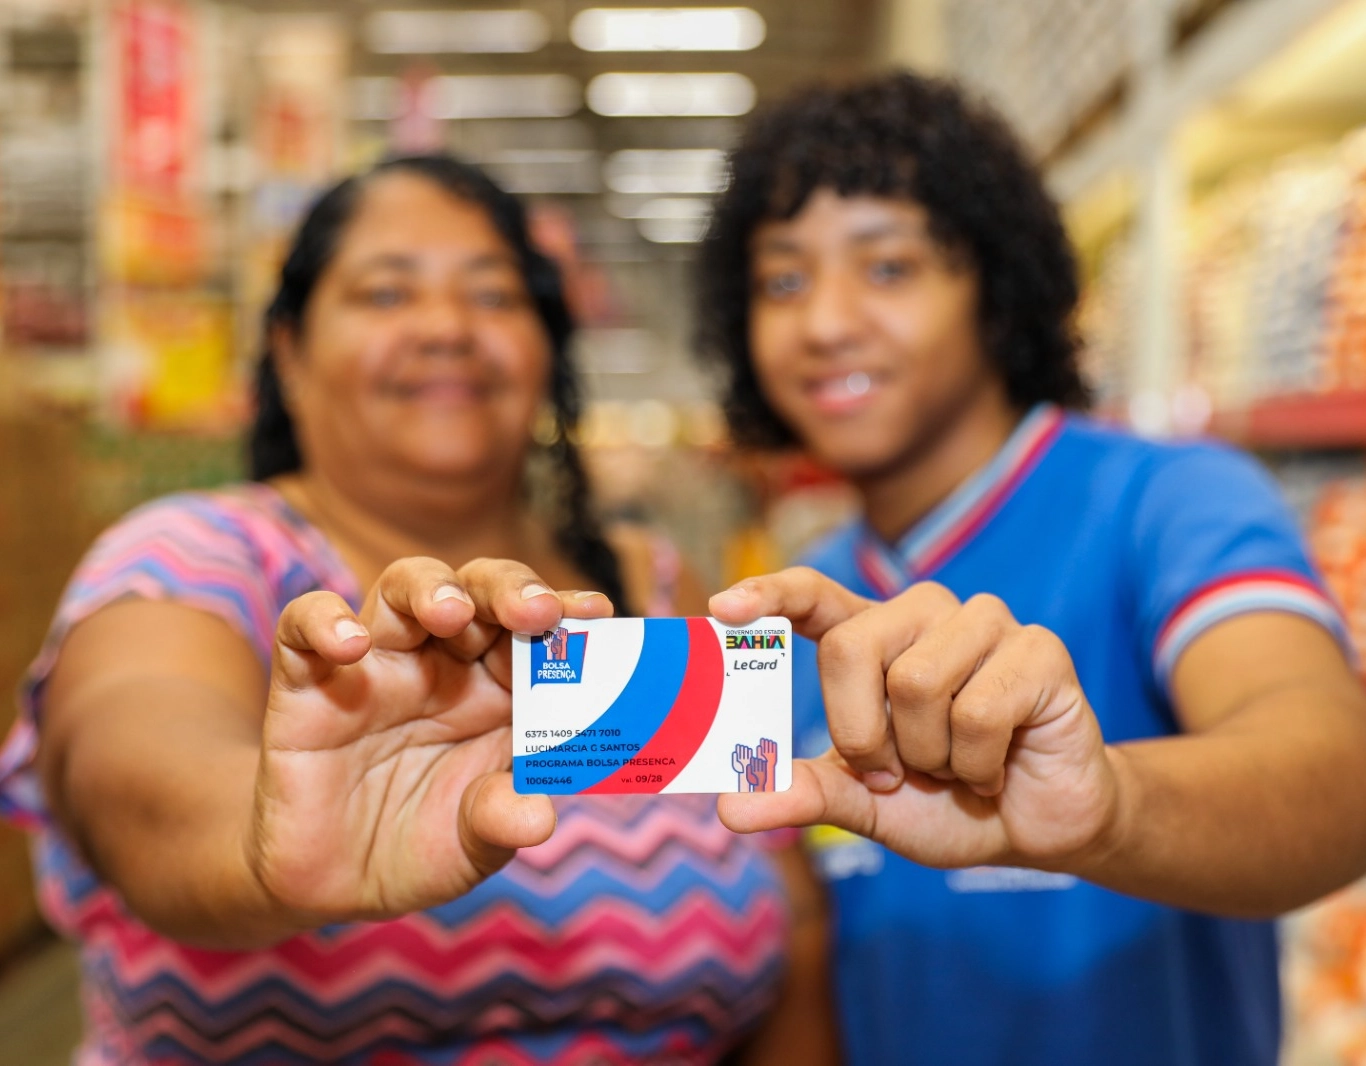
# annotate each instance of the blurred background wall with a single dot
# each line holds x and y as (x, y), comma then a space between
(1210, 156)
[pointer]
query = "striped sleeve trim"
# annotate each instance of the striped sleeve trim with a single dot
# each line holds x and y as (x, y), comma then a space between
(1244, 593)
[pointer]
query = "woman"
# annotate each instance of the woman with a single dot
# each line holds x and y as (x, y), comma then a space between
(270, 722)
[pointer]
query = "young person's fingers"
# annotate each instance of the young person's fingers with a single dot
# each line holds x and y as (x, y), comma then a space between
(814, 603)
(495, 821)
(924, 679)
(416, 598)
(1022, 676)
(854, 658)
(315, 634)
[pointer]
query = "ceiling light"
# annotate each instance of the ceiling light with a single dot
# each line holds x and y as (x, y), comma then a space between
(673, 230)
(658, 207)
(664, 171)
(429, 32)
(663, 29)
(502, 96)
(671, 95)
(542, 171)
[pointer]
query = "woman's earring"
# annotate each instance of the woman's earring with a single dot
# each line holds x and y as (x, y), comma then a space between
(545, 428)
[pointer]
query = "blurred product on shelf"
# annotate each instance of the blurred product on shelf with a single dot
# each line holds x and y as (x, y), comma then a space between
(168, 360)
(164, 347)
(1260, 260)
(1106, 316)
(45, 156)
(1345, 339)
(1325, 980)
(1324, 946)
(1273, 283)
(1046, 63)
(1337, 537)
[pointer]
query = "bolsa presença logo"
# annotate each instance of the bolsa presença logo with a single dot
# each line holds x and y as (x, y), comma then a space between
(557, 658)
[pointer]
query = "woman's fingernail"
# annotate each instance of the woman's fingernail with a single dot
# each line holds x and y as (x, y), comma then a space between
(451, 592)
(881, 781)
(532, 591)
(348, 629)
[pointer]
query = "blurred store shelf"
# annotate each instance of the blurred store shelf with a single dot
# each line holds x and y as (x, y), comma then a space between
(1298, 422)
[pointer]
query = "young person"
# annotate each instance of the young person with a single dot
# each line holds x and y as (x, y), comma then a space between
(1085, 692)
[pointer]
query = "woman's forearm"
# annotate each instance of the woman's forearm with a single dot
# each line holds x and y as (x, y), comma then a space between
(157, 791)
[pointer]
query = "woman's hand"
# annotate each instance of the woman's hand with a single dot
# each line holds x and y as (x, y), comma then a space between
(960, 736)
(382, 786)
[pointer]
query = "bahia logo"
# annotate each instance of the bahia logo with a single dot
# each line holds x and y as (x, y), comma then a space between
(754, 640)
(557, 659)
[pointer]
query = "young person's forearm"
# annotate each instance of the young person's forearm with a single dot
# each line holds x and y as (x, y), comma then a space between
(1258, 816)
(159, 797)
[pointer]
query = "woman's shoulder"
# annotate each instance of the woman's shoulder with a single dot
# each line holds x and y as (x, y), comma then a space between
(247, 523)
(243, 510)
(240, 547)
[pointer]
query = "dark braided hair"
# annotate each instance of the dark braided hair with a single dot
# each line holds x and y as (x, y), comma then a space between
(273, 446)
(906, 137)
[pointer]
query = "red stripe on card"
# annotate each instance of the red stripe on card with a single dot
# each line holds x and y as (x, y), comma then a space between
(689, 719)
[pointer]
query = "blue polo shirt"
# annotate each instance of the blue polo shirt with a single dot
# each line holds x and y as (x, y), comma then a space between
(1127, 550)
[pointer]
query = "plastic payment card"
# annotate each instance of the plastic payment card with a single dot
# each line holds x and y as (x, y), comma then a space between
(650, 705)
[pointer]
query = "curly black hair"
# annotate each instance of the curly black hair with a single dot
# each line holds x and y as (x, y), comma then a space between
(908, 137)
(273, 447)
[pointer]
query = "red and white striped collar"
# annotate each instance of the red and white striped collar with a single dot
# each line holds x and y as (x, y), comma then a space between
(941, 534)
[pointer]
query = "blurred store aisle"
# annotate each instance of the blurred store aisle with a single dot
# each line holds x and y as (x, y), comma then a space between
(40, 1020)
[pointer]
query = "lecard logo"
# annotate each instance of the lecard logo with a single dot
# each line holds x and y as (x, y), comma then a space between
(558, 658)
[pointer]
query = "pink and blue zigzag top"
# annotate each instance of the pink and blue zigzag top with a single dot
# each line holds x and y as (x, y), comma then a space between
(642, 931)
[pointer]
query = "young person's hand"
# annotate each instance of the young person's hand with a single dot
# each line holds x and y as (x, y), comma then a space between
(960, 736)
(382, 786)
